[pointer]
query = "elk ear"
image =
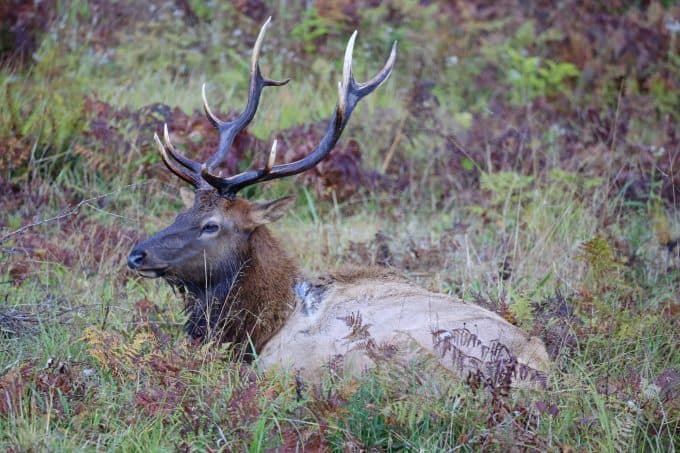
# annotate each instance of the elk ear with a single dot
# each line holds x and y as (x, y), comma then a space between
(187, 197)
(270, 211)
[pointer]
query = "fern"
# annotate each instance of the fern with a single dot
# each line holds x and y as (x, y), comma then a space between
(410, 411)
(660, 223)
(603, 266)
(491, 361)
(504, 184)
(599, 256)
(310, 28)
(358, 330)
(522, 310)
(114, 354)
(623, 432)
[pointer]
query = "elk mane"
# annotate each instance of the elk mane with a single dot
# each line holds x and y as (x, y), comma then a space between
(248, 298)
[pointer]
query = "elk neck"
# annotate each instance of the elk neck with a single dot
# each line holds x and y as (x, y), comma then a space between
(248, 299)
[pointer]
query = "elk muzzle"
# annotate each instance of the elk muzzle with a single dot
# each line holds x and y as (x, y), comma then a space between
(138, 262)
(136, 259)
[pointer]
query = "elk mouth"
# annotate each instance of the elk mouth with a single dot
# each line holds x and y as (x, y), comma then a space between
(152, 272)
(138, 261)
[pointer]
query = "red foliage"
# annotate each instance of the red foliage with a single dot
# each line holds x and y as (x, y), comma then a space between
(22, 22)
(161, 400)
(341, 172)
(78, 242)
(304, 439)
(12, 387)
(17, 197)
(56, 383)
(254, 9)
(243, 405)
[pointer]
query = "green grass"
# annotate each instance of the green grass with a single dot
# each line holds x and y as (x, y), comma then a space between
(565, 230)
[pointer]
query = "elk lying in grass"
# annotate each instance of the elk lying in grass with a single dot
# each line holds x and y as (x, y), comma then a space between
(240, 286)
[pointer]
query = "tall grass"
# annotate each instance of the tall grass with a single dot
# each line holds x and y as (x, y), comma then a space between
(517, 241)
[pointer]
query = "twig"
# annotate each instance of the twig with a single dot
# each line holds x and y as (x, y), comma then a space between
(395, 143)
(156, 323)
(67, 213)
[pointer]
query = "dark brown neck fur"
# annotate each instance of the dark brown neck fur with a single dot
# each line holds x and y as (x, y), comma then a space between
(251, 301)
(265, 289)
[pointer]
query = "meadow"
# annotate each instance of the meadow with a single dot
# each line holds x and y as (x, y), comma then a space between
(524, 156)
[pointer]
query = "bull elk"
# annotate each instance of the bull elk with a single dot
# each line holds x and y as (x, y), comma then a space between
(240, 286)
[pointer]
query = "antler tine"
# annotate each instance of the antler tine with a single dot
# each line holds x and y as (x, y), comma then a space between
(346, 75)
(192, 178)
(370, 85)
(255, 58)
(192, 165)
(229, 130)
(215, 121)
(272, 158)
(349, 94)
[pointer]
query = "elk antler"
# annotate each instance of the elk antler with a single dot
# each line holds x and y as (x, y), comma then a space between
(228, 129)
(350, 92)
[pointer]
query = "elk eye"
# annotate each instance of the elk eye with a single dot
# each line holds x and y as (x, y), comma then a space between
(209, 228)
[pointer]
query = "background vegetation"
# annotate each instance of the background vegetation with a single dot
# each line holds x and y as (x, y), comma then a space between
(524, 156)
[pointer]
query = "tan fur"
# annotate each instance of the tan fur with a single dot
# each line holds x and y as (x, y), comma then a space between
(394, 313)
(352, 274)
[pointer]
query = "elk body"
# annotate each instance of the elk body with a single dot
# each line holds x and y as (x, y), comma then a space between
(240, 286)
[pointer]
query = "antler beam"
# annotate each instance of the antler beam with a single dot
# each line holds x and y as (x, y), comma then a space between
(350, 93)
(229, 130)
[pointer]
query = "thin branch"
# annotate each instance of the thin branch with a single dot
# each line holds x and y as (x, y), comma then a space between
(397, 139)
(69, 212)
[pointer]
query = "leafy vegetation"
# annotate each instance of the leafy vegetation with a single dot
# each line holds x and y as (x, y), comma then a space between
(523, 156)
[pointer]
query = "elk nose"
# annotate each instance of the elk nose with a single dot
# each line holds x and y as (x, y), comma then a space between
(136, 258)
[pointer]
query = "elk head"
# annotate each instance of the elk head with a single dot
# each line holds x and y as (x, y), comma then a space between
(212, 238)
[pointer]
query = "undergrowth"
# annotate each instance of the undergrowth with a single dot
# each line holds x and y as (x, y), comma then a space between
(522, 157)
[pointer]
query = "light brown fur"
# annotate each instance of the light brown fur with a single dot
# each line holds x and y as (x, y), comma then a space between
(395, 313)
